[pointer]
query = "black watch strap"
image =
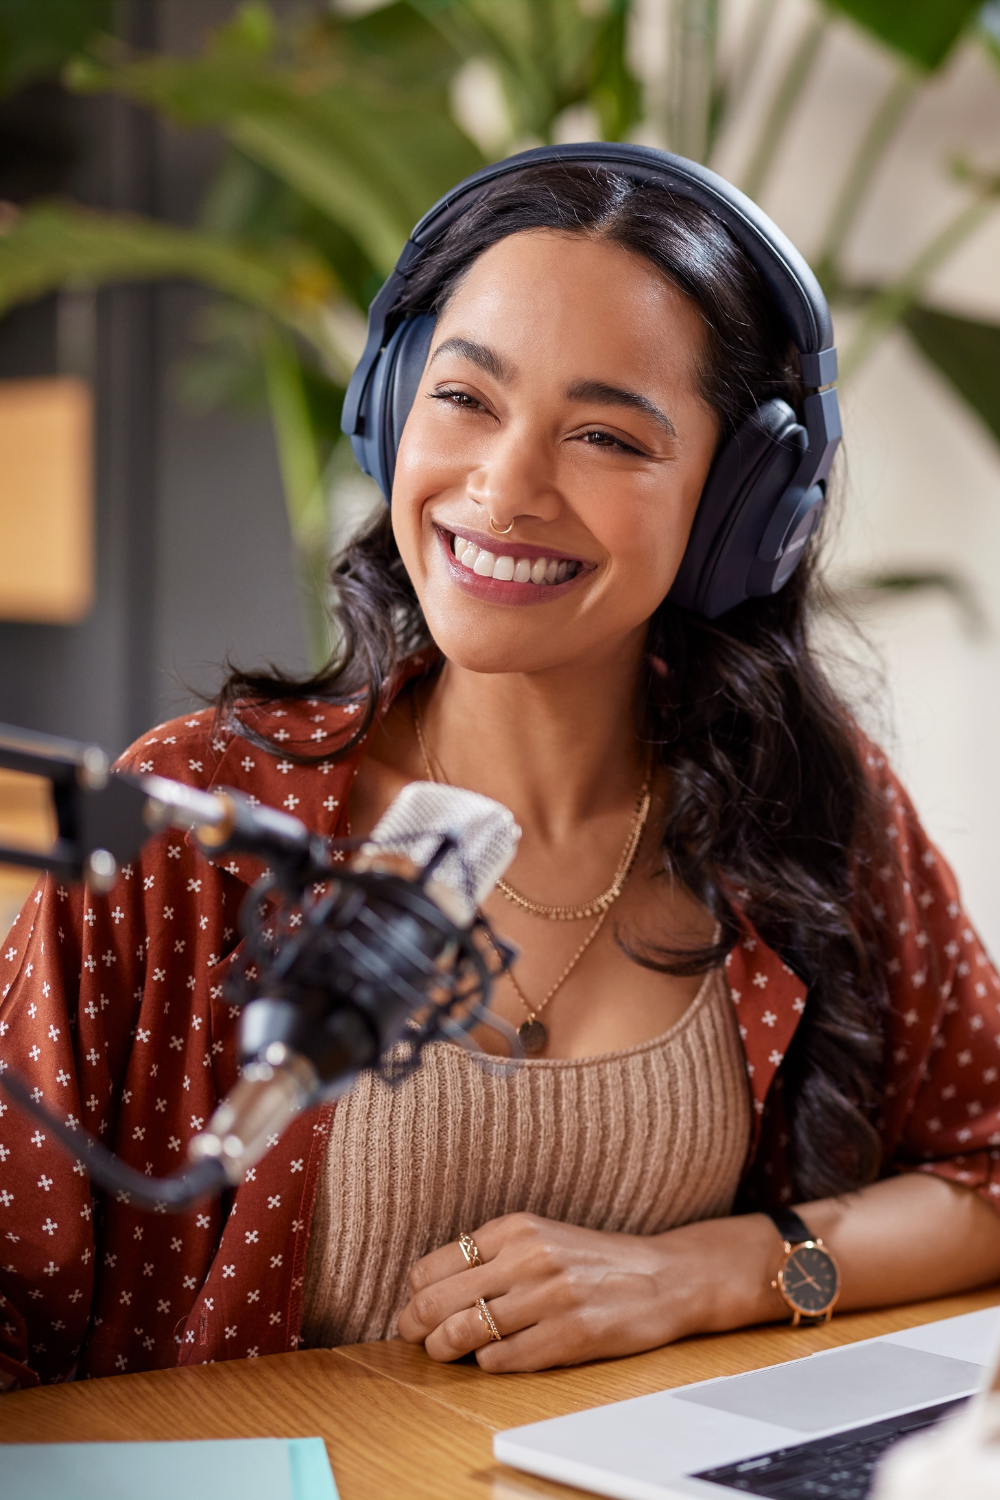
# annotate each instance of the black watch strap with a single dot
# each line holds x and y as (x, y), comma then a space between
(788, 1224)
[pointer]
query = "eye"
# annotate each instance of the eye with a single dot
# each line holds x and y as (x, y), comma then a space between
(461, 399)
(599, 439)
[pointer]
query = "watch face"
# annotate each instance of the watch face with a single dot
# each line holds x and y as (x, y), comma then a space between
(809, 1280)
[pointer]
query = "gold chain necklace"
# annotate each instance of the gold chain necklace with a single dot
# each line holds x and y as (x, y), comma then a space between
(532, 1033)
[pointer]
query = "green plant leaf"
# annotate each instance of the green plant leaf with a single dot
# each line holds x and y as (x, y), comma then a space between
(614, 91)
(368, 153)
(989, 28)
(924, 30)
(967, 353)
(550, 54)
(37, 36)
(53, 245)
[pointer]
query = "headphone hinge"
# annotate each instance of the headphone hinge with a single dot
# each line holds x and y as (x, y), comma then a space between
(819, 369)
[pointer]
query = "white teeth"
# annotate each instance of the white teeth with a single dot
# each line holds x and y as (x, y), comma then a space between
(542, 570)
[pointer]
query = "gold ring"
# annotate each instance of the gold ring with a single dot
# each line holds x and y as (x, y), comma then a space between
(470, 1250)
(500, 530)
(487, 1321)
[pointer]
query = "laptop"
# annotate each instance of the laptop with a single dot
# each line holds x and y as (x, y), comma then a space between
(812, 1427)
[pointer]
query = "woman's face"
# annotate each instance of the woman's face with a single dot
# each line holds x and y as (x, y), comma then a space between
(560, 398)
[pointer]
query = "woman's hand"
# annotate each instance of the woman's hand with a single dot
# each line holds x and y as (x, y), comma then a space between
(560, 1295)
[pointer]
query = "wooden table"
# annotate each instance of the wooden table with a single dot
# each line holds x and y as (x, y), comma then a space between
(396, 1424)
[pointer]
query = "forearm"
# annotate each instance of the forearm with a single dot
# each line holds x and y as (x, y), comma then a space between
(906, 1238)
(899, 1240)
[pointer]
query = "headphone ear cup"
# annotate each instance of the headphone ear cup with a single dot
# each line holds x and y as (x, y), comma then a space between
(746, 483)
(388, 399)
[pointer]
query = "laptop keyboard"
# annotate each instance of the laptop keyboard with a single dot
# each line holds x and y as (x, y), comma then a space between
(830, 1468)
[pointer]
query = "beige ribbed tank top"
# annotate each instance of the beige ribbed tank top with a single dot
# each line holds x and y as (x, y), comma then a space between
(638, 1141)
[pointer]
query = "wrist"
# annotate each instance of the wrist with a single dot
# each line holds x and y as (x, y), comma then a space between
(759, 1251)
(725, 1271)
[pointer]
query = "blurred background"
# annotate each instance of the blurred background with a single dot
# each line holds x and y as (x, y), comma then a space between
(198, 199)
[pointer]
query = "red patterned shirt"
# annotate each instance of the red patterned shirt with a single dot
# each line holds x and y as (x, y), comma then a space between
(112, 1008)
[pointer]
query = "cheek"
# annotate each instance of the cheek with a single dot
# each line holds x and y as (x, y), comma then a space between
(422, 470)
(643, 527)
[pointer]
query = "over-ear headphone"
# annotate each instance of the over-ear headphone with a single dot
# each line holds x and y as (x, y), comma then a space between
(766, 489)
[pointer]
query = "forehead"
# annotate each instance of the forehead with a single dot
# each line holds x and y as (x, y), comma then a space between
(573, 298)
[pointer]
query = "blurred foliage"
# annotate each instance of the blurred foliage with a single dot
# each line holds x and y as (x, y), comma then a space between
(63, 246)
(549, 56)
(924, 30)
(335, 110)
(875, 588)
(968, 353)
(37, 37)
(342, 130)
(341, 133)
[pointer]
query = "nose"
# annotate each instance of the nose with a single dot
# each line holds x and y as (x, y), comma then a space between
(514, 482)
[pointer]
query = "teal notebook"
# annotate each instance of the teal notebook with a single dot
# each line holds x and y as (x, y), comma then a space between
(238, 1469)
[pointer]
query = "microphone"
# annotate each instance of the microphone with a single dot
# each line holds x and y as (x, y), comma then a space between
(373, 960)
(381, 963)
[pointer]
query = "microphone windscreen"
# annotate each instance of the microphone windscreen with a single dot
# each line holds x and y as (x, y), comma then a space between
(484, 831)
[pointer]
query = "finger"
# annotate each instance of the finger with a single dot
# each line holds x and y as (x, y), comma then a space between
(538, 1347)
(466, 1331)
(428, 1309)
(449, 1259)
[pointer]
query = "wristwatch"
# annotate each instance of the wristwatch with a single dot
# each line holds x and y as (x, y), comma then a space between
(808, 1277)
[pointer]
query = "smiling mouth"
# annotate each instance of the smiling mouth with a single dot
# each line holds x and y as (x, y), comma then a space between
(539, 569)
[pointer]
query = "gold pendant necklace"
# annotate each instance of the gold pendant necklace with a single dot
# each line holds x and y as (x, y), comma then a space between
(533, 1033)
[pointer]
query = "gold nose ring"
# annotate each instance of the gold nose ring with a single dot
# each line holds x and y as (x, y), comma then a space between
(500, 530)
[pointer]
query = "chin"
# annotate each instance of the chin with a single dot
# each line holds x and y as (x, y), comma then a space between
(497, 645)
(475, 650)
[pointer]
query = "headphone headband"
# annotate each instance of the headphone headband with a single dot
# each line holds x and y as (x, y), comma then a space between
(785, 271)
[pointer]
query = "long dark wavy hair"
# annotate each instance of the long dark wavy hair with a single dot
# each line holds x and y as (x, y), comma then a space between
(770, 806)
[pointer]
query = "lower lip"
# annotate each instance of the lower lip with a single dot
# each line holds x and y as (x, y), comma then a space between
(496, 591)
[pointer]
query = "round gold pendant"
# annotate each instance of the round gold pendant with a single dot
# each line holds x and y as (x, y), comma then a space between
(532, 1035)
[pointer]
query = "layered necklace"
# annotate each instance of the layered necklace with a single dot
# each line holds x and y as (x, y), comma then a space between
(532, 1033)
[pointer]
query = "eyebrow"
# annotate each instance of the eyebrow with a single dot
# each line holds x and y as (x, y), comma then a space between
(479, 354)
(617, 395)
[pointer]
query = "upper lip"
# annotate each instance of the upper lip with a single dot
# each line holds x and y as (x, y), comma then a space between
(500, 546)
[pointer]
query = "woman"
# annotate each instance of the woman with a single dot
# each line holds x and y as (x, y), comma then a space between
(744, 978)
